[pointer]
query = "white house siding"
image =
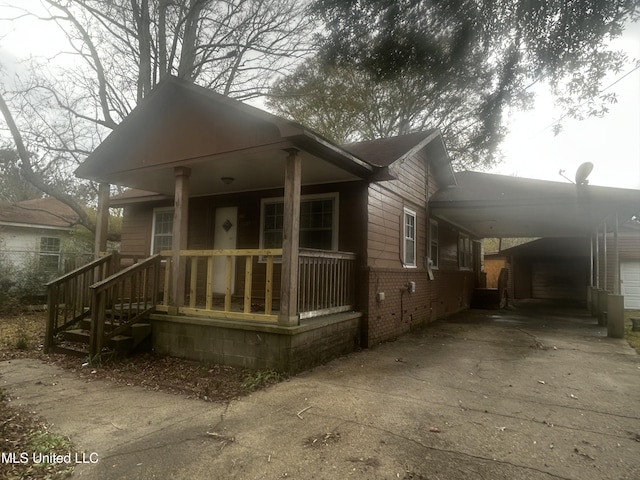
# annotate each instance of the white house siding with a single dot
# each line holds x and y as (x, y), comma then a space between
(18, 244)
(630, 286)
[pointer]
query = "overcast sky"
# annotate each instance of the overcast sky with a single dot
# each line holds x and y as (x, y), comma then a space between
(611, 143)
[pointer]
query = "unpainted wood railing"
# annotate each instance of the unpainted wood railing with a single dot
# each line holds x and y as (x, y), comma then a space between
(126, 297)
(326, 282)
(201, 299)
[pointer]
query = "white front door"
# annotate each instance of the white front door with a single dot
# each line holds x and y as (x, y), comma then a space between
(224, 237)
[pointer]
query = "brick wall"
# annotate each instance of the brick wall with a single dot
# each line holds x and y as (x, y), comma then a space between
(400, 311)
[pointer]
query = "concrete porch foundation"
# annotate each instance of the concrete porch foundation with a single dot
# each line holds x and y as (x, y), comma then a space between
(257, 345)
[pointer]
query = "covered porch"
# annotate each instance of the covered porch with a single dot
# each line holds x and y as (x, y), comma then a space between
(185, 143)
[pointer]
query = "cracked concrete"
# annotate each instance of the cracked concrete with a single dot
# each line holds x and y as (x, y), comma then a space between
(526, 393)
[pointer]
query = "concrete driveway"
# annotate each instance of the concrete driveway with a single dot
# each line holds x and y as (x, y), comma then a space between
(527, 393)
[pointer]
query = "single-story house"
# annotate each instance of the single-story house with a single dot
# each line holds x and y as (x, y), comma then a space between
(35, 230)
(257, 242)
(276, 247)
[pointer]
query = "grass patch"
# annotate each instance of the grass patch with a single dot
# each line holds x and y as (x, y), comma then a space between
(28, 437)
(632, 337)
(262, 378)
(22, 335)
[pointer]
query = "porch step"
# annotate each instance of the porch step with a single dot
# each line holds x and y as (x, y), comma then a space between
(77, 335)
(69, 351)
(124, 343)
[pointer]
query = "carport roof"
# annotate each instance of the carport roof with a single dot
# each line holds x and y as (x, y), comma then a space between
(488, 205)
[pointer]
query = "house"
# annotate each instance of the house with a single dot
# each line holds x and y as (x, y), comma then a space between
(250, 240)
(33, 232)
(215, 188)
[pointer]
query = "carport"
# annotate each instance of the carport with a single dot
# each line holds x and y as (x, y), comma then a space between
(498, 206)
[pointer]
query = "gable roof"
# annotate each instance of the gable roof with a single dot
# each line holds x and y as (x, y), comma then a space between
(182, 124)
(40, 212)
(384, 152)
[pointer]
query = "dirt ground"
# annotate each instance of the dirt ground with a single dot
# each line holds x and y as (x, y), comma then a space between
(21, 336)
(517, 394)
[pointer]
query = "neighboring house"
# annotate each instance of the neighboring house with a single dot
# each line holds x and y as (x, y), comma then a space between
(32, 232)
(267, 245)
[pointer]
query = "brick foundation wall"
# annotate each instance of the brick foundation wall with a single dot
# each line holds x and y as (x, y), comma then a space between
(400, 311)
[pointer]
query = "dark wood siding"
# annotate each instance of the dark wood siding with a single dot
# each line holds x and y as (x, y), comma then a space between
(138, 221)
(560, 279)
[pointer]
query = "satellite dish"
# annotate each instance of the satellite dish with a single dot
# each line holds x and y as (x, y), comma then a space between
(583, 172)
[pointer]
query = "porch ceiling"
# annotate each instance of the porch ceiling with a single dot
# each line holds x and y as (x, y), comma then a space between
(500, 206)
(249, 171)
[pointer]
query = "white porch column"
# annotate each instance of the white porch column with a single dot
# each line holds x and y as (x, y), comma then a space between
(179, 240)
(290, 241)
(102, 220)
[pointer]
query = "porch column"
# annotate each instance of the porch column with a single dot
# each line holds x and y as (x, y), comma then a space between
(102, 220)
(616, 259)
(290, 241)
(179, 240)
(597, 253)
(604, 256)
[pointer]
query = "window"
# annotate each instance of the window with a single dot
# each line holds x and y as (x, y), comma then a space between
(318, 222)
(50, 254)
(162, 233)
(409, 253)
(433, 243)
(464, 252)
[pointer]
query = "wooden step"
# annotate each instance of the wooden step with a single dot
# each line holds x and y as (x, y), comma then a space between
(67, 350)
(77, 335)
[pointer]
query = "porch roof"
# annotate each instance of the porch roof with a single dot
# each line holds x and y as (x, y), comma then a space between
(488, 205)
(182, 124)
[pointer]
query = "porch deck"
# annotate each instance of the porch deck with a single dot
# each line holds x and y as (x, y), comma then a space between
(240, 326)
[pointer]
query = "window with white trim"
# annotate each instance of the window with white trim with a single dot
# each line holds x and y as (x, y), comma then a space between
(318, 222)
(433, 243)
(464, 252)
(409, 243)
(50, 254)
(162, 230)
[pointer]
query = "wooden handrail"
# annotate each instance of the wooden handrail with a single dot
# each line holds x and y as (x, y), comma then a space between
(129, 271)
(68, 296)
(130, 295)
(78, 271)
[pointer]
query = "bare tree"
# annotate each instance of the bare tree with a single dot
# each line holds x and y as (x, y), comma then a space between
(119, 49)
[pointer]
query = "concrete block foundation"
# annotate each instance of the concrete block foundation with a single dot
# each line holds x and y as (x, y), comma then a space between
(257, 345)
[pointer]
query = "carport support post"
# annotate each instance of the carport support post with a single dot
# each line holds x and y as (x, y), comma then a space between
(603, 307)
(179, 240)
(615, 316)
(290, 241)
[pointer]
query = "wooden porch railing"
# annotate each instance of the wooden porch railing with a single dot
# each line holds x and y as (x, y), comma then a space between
(128, 297)
(69, 300)
(200, 298)
(326, 282)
